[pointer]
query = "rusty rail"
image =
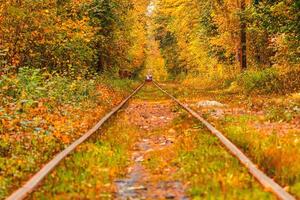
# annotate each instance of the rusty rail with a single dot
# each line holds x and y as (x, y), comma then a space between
(265, 181)
(34, 181)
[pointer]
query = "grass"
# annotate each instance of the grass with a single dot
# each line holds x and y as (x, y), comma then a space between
(280, 114)
(201, 162)
(211, 171)
(90, 171)
(40, 114)
(150, 92)
(276, 154)
(119, 85)
(279, 156)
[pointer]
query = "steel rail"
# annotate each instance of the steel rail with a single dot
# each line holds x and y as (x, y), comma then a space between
(34, 181)
(265, 181)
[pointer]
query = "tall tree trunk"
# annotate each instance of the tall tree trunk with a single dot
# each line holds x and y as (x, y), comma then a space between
(243, 53)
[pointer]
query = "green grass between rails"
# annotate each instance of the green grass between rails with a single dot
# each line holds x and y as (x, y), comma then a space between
(89, 172)
(210, 171)
(151, 93)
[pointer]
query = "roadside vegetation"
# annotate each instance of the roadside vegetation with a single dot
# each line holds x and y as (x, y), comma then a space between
(64, 64)
(211, 171)
(42, 113)
(60, 64)
(277, 155)
(265, 127)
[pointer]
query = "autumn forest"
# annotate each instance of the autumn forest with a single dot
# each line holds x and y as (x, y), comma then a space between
(66, 64)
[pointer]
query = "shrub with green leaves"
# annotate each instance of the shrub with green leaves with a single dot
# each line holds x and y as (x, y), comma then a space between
(265, 81)
(270, 81)
(66, 90)
(28, 83)
(31, 84)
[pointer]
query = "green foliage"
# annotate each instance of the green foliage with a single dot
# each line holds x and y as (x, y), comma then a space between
(32, 84)
(265, 81)
(28, 84)
(120, 85)
(269, 81)
(66, 90)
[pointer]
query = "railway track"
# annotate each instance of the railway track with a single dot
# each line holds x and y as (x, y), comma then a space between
(262, 178)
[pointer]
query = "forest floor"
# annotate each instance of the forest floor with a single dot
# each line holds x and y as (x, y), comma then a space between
(265, 127)
(30, 135)
(152, 149)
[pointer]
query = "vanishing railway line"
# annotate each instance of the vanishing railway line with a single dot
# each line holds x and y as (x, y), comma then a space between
(262, 178)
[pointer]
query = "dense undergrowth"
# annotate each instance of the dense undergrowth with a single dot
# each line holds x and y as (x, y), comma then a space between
(270, 81)
(40, 113)
(267, 81)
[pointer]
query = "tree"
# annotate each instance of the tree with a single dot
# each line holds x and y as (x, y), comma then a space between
(243, 45)
(72, 36)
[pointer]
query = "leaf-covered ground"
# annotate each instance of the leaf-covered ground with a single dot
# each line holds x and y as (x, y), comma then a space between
(151, 150)
(265, 127)
(38, 120)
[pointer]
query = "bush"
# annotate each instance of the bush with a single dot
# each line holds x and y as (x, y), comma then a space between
(27, 84)
(265, 81)
(269, 81)
(120, 85)
(30, 85)
(291, 81)
(67, 90)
